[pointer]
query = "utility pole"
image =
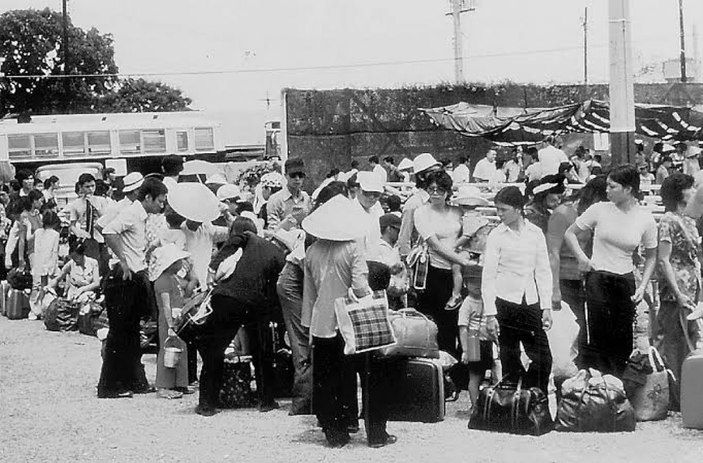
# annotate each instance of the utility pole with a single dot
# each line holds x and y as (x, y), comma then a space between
(585, 47)
(458, 54)
(683, 43)
(66, 69)
(621, 89)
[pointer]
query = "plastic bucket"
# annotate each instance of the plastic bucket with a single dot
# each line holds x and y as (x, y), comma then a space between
(172, 355)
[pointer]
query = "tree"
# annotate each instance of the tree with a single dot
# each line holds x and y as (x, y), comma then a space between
(139, 95)
(30, 42)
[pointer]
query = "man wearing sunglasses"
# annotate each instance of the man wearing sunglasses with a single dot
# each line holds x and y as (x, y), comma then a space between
(288, 207)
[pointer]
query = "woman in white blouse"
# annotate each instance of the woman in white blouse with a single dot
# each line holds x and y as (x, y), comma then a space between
(517, 291)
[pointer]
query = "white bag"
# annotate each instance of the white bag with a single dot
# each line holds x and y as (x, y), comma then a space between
(563, 342)
(227, 266)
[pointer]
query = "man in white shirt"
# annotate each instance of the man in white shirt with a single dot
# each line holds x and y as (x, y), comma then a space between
(370, 190)
(550, 157)
(131, 183)
(423, 164)
(377, 169)
(485, 169)
(461, 173)
(84, 213)
(128, 295)
(288, 207)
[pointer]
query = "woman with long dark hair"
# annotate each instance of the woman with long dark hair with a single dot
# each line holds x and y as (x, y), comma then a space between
(619, 227)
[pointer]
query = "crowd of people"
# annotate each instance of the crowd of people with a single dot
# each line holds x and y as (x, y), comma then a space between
(280, 254)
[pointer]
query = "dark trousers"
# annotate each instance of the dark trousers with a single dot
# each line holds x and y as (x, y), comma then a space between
(334, 374)
(574, 294)
(610, 313)
(431, 302)
(522, 323)
(290, 294)
(214, 337)
(127, 301)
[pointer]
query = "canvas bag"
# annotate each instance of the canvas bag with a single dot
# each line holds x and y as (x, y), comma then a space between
(651, 400)
(364, 323)
(416, 335)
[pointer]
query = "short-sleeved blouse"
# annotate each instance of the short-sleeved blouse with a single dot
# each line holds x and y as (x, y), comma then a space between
(445, 225)
(685, 241)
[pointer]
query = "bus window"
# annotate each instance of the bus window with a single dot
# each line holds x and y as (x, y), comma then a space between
(154, 141)
(19, 146)
(73, 143)
(99, 142)
(46, 144)
(182, 140)
(204, 139)
(130, 142)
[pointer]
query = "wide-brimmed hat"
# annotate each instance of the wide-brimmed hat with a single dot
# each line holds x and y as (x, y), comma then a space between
(216, 179)
(272, 180)
(132, 181)
(667, 148)
(370, 181)
(164, 257)
(339, 219)
(405, 164)
(228, 191)
(692, 152)
(194, 201)
(468, 196)
(423, 162)
(199, 167)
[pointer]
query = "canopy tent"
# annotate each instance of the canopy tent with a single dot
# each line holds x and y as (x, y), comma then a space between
(518, 126)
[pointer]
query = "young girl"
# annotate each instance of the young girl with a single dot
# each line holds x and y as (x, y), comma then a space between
(45, 260)
(82, 274)
(172, 383)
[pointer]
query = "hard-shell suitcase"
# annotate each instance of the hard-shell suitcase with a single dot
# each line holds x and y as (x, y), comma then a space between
(17, 305)
(418, 390)
(4, 288)
(692, 391)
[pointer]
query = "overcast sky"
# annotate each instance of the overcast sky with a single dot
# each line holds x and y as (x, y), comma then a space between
(253, 48)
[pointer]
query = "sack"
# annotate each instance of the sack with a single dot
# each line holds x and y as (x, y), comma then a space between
(236, 383)
(228, 266)
(563, 342)
(651, 400)
(415, 334)
(61, 315)
(88, 318)
(509, 408)
(364, 323)
(591, 402)
(419, 262)
(20, 279)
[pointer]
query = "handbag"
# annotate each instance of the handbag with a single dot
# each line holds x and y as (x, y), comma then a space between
(363, 323)
(415, 334)
(418, 261)
(512, 409)
(651, 400)
(195, 312)
(61, 315)
(20, 278)
(591, 402)
(235, 391)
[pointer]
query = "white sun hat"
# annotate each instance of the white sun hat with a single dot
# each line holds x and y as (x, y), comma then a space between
(424, 161)
(405, 164)
(216, 179)
(370, 181)
(164, 257)
(468, 196)
(338, 219)
(194, 201)
(199, 167)
(132, 181)
(228, 191)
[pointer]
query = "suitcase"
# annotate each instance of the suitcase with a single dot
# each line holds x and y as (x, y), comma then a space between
(4, 288)
(418, 390)
(692, 391)
(17, 304)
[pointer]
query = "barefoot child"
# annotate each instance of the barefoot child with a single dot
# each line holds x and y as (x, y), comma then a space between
(172, 383)
(45, 260)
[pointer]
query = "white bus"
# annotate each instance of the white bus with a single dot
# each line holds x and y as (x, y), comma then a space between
(140, 139)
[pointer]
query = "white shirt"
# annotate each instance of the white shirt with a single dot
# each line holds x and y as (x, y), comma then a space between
(445, 226)
(113, 211)
(370, 243)
(617, 234)
(534, 171)
(516, 265)
(461, 174)
(130, 225)
(381, 172)
(550, 158)
(199, 244)
(484, 170)
(388, 254)
(45, 260)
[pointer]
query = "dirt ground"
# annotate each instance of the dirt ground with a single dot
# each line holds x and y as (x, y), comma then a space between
(49, 412)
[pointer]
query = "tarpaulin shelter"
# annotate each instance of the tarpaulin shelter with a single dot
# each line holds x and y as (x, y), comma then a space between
(519, 126)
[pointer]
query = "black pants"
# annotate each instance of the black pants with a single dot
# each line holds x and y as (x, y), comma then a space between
(431, 302)
(213, 339)
(334, 374)
(523, 323)
(610, 314)
(127, 301)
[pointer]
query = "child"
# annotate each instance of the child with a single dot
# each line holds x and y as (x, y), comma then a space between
(467, 198)
(45, 260)
(172, 383)
(82, 274)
